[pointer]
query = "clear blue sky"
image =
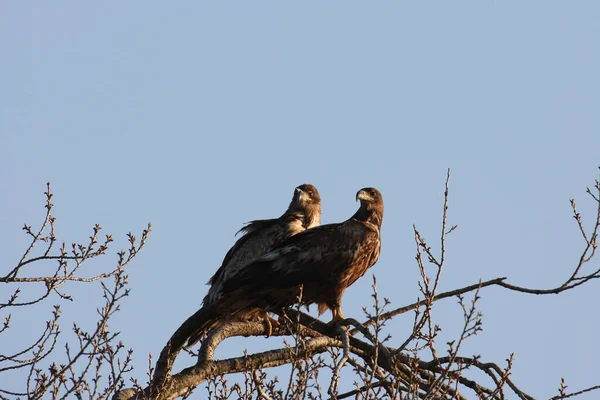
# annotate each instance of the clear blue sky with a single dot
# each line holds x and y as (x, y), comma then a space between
(199, 117)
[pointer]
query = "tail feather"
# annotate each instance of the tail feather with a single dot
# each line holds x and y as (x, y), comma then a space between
(233, 306)
(230, 307)
(201, 318)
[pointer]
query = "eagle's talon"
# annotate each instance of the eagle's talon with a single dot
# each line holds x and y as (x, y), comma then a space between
(274, 324)
(268, 326)
(337, 318)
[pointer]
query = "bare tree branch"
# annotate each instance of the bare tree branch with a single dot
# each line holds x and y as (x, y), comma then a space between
(95, 351)
(414, 368)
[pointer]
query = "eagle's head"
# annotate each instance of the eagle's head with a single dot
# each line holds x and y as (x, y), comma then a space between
(307, 201)
(371, 204)
(369, 195)
(306, 194)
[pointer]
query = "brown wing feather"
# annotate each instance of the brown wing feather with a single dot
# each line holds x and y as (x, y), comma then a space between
(246, 249)
(247, 231)
(256, 225)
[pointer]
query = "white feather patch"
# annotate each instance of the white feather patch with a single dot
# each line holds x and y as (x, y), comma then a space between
(275, 254)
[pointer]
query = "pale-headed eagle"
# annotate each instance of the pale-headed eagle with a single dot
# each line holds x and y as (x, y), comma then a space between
(319, 263)
(260, 236)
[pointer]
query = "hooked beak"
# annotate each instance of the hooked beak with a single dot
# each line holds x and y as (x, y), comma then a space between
(300, 195)
(362, 195)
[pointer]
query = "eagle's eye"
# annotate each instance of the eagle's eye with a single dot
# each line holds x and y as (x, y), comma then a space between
(373, 193)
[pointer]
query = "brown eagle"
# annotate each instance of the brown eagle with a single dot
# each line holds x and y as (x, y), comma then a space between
(319, 263)
(260, 236)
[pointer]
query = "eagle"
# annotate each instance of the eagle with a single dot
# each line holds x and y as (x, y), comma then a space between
(259, 236)
(315, 266)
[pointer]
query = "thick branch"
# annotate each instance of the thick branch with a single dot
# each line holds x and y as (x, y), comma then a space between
(194, 376)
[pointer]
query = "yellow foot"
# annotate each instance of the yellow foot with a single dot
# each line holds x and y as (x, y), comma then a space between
(268, 326)
(270, 323)
(338, 317)
(274, 323)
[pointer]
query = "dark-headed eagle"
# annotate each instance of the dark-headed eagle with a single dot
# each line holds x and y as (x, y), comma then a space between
(260, 236)
(319, 264)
